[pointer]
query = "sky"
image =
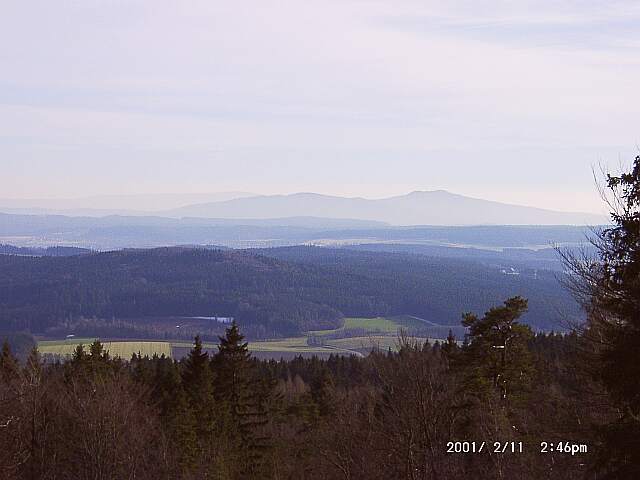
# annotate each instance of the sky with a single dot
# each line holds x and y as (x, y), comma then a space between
(515, 101)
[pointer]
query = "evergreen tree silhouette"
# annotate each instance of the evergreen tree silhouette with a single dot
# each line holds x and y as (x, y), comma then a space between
(244, 396)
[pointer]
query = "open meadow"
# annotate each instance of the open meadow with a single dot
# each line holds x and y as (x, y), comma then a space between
(121, 349)
(356, 337)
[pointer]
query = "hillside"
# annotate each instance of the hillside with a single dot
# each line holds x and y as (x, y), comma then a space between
(272, 293)
(270, 297)
(433, 288)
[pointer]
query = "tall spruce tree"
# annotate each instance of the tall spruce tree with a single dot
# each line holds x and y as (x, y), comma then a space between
(243, 395)
(450, 346)
(11, 421)
(610, 291)
(9, 368)
(198, 387)
(619, 290)
(33, 409)
(183, 428)
(196, 374)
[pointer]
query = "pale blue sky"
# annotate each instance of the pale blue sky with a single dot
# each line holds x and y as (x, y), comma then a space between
(512, 101)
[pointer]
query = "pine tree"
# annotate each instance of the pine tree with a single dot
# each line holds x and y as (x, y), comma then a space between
(321, 390)
(200, 405)
(182, 426)
(196, 377)
(232, 364)
(166, 382)
(12, 423)
(91, 365)
(97, 351)
(497, 354)
(450, 347)
(34, 412)
(9, 368)
(610, 292)
(244, 397)
(79, 355)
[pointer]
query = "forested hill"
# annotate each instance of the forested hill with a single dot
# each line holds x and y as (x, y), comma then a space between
(39, 293)
(435, 288)
(302, 289)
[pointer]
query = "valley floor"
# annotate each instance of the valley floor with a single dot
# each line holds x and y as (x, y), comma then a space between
(358, 336)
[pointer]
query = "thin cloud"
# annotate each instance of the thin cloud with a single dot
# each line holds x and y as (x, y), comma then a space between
(331, 93)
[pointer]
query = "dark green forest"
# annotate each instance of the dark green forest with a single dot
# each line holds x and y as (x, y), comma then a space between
(389, 415)
(271, 293)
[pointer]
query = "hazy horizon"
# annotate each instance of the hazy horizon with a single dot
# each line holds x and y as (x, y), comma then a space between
(160, 202)
(507, 102)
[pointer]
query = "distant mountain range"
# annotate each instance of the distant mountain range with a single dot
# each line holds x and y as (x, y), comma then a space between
(437, 207)
(417, 208)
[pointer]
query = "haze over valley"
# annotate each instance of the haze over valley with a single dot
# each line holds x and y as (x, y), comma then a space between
(437, 207)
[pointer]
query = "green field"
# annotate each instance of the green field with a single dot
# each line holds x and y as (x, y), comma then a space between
(124, 349)
(115, 349)
(377, 332)
(71, 342)
(374, 325)
(293, 344)
(382, 342)
(378, 324)
(284, 345)
(296, 345)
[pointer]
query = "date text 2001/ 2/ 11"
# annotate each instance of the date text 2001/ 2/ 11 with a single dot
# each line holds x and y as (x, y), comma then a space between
(479, 447)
